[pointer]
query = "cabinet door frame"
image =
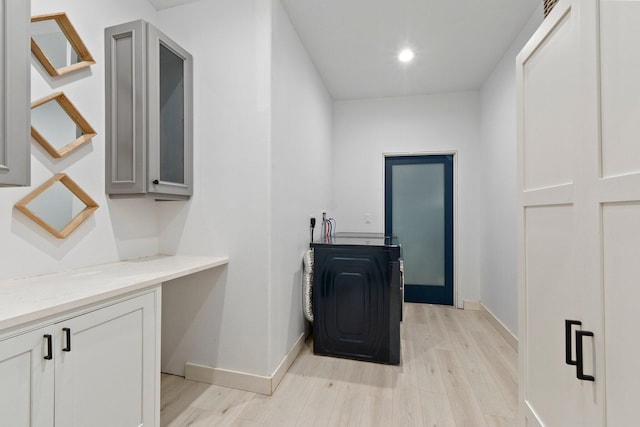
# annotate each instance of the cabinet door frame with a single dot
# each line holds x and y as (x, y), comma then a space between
(15, 94)
(133, 70)
(615, 204)
(41, 381)
(148, 303)
(155, 38)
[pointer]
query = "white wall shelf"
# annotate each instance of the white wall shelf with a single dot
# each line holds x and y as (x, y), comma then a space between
(35, 298)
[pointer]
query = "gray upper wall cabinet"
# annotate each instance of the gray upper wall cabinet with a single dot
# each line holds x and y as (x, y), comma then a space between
(149, 125)
(15, 97)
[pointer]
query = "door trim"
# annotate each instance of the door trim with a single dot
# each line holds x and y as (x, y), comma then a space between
(457, 302)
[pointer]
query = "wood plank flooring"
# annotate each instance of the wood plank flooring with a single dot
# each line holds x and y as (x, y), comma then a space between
(457, 371)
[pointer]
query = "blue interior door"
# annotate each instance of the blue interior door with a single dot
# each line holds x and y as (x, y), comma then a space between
(419, 211)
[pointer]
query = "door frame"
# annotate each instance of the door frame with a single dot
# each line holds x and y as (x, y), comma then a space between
(454, 153)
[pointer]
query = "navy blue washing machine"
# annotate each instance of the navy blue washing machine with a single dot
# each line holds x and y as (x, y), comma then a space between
(357, 297)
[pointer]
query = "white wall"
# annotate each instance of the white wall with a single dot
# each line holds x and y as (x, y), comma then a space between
(499, 290)
(365, 129)
(262, 148)
(119, 229)
(226, 325)
(300, 170)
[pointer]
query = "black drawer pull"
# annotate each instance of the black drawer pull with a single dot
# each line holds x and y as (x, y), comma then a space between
(67, 333)
(580, 360)
(567, 338)
(49, 354)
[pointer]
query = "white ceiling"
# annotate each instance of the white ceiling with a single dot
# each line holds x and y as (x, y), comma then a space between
(354, 43)
(165, 4)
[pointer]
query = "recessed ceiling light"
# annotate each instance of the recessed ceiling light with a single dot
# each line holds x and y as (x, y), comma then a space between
(406, 55)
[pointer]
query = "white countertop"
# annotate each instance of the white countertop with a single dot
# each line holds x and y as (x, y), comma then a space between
(34, 298)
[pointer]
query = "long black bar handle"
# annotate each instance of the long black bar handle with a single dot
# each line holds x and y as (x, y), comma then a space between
(580, 365)
(567, 338)
(67, 335)
(49, 354)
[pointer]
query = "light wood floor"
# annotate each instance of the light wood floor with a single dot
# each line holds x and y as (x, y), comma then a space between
(457, 371)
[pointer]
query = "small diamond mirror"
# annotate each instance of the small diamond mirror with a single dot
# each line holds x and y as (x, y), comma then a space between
(57, 45)
(58, 126)
(59, 206)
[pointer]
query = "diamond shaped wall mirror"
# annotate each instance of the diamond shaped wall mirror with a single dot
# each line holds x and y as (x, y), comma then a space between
(57, 45)
(59, 206)
(58, 126)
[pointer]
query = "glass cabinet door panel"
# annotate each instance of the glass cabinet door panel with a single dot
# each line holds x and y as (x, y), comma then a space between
(171, 116)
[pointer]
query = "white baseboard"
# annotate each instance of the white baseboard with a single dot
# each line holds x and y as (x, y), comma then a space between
(511, 339)
(471, 305)
(222, 377)
(286, 363)
(242, 380)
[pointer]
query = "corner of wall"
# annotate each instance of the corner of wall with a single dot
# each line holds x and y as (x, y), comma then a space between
(498, 141)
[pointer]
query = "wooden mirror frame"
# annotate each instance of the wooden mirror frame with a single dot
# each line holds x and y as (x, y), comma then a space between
(90, 206)
(85, 58)
(87, 131)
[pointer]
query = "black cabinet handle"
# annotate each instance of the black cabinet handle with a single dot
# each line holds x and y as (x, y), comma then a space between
(49, 354)
(155, 182)
(567, 338)
(579, 356)
(67, 333)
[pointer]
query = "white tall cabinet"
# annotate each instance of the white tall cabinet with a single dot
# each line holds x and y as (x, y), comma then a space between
(15, 95)
(579, 217)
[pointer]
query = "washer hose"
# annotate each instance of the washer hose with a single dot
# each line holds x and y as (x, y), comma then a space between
(307, 305)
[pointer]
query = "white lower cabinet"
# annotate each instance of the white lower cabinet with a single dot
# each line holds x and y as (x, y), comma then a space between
(579, 216)
(26, 385)
(105, 363)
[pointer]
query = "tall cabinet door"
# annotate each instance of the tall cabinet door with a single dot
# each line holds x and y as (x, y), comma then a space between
(557, 115)
(107, 368)
(15, 108)
(616, 196)
(26, 388)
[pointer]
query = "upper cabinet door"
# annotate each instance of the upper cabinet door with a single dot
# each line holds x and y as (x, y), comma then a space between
(149, 114)
(126, 95)
(15, 103)
(170, 91)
